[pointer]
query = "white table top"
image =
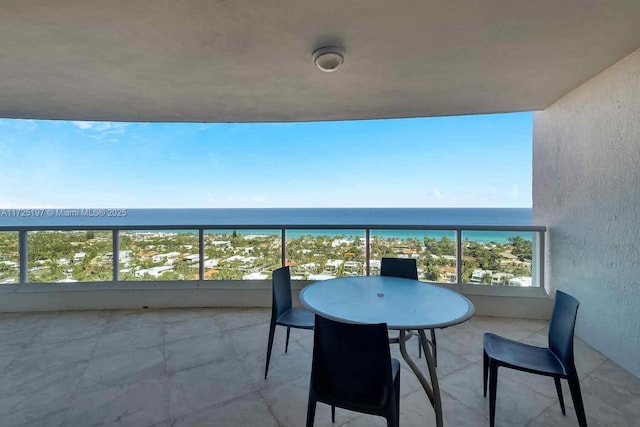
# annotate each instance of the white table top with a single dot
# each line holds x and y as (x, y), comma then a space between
(400, 303)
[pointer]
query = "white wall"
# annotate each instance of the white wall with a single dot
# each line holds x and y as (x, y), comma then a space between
(586, 189)
(489, 301)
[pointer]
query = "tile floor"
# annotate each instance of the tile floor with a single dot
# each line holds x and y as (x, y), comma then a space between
(205, 367)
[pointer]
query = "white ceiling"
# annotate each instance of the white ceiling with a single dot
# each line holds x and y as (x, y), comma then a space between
(246, 61)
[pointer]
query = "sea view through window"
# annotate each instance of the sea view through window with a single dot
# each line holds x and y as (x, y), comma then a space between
(464, 171)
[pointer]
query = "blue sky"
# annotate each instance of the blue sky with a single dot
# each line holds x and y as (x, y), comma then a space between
(466, 161)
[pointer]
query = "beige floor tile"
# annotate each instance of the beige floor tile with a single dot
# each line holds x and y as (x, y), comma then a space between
(10, 322)
(553, 417)
(8, 355)
(239, 318)
(197, 388)
(247, 410)
(170, 315)
(253, 339)
(614, 374)
(610, 404)
(125, 367)
(416, 410)
(18, 338)
(124, 320)
(128, 340)
(74, 325)
(193, 367)
(42, 356)
(197, 326)
(282, 367)
(586, 357)
(197, 351)
(515, 405)
(288, 402)
(52, 416)
(39, 397)
(133, 404)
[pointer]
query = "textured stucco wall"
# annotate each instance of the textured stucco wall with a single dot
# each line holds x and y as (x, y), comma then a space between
(586, 189)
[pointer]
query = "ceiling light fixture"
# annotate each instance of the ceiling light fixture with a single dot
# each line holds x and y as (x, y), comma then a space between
(328, 58)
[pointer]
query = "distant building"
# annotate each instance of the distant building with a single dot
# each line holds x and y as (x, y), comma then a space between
(255, 276)
(9, 264)
(153, 271)
(478, 274)
(500, 278)
(524, 282)
(332, 265)
(167, 256)
(321, 277)
(210, 263)
(308, 266)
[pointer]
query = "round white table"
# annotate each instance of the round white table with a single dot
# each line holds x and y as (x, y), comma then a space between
(403, 304)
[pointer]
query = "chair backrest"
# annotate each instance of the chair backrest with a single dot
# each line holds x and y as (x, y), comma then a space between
(351, 362)
(405, 268)
(281, 286)
(561, 329)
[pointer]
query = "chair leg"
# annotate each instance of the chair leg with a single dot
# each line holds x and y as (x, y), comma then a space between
(435, 349)
(560, 397)
(286, 345)
(272, 330)
(576, 395)
(311, 412)
(397, 390)
(419, 347)
(493, 386)
(485, 371)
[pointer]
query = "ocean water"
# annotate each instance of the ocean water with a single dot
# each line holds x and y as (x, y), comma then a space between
(281, 216)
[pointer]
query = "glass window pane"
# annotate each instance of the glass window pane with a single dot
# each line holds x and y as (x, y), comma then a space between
(69, 256)
(159, 255)
(9, 258)
(502, 258)
(241, 254)
(433, 250)
(325, 254)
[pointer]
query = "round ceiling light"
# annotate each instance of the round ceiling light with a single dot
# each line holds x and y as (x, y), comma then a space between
(329, 58)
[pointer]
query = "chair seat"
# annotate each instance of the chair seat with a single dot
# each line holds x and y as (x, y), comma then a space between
(297, 317)
(519, 355)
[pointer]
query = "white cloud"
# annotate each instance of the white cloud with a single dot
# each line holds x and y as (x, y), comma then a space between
(102, 130)
(83, 125)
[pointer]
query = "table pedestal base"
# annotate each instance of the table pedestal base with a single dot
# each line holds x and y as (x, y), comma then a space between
(433, 390)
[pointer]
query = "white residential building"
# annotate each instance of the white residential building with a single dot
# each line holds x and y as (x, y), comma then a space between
(478, 274)
(524, 282)
(255, 276)
(153, 271)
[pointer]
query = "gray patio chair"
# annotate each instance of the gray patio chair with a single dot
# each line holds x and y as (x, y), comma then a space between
(352, 369)
(282, 312)
(555, 361)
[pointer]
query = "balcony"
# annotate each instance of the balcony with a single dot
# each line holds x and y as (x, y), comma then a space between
(202, 367)
(227, 63)
(230, 265)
